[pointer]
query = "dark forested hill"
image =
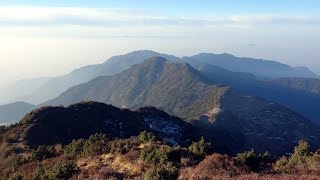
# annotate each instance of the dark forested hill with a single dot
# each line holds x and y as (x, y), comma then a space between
(52, 125)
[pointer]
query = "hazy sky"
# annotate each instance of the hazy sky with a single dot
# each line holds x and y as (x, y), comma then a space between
(53, 37)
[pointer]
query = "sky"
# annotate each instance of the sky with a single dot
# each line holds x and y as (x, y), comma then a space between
(50, 38)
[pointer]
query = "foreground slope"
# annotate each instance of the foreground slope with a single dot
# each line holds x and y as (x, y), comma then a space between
(234, 121)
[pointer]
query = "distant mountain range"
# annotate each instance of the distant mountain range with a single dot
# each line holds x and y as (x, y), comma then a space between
(18, 90)
(295, 88)
(36, 91)
(236, 122)
(13, 112)
(258, 67)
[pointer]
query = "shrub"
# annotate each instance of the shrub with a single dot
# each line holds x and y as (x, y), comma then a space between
(163, 172)
(75, 148)
(200, 149)
(256, 162)
(157, 155)
(145, 136)
(61, 170)
(282, 164)
(161, 161)
(301, 161)
(43, 152)
(96, 144)
(123, 145)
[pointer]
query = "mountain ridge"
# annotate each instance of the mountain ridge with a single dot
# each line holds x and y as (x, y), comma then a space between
(220, 112)
(56, 85)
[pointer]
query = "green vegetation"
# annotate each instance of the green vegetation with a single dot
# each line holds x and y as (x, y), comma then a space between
(75, 148)
(123, 145)
(61, 170)
(201, 148)
(256, 162)
(161, 161)
(303, 160)
(145, 136)
(142, 157)
(162, 172)
(94, 145)
(43, 152)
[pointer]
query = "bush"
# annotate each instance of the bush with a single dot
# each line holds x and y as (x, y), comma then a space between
(161, 161)
(123, 145)
(145, 136)
(162, 172)
(61, 170)
(282, 164)
(43, 152)
(301, 161)
(75, 148)
(256, 162)
(200, 149)
(157, 155)
(94, 145)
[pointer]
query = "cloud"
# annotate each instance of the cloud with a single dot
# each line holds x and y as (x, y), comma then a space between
(40, 16)
(276, 19)
(102, 17)
(35, 21)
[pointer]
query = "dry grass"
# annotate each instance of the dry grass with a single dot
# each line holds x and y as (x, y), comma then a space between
(215, 166)
(111, 166)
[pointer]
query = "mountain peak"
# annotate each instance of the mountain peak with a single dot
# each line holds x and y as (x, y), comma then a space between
(156, 59)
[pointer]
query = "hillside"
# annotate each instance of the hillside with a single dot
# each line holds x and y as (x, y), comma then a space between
(176, 88)
(220, 112)
(257, 123)
(297, 94)
(311, 85)
(13, 112)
